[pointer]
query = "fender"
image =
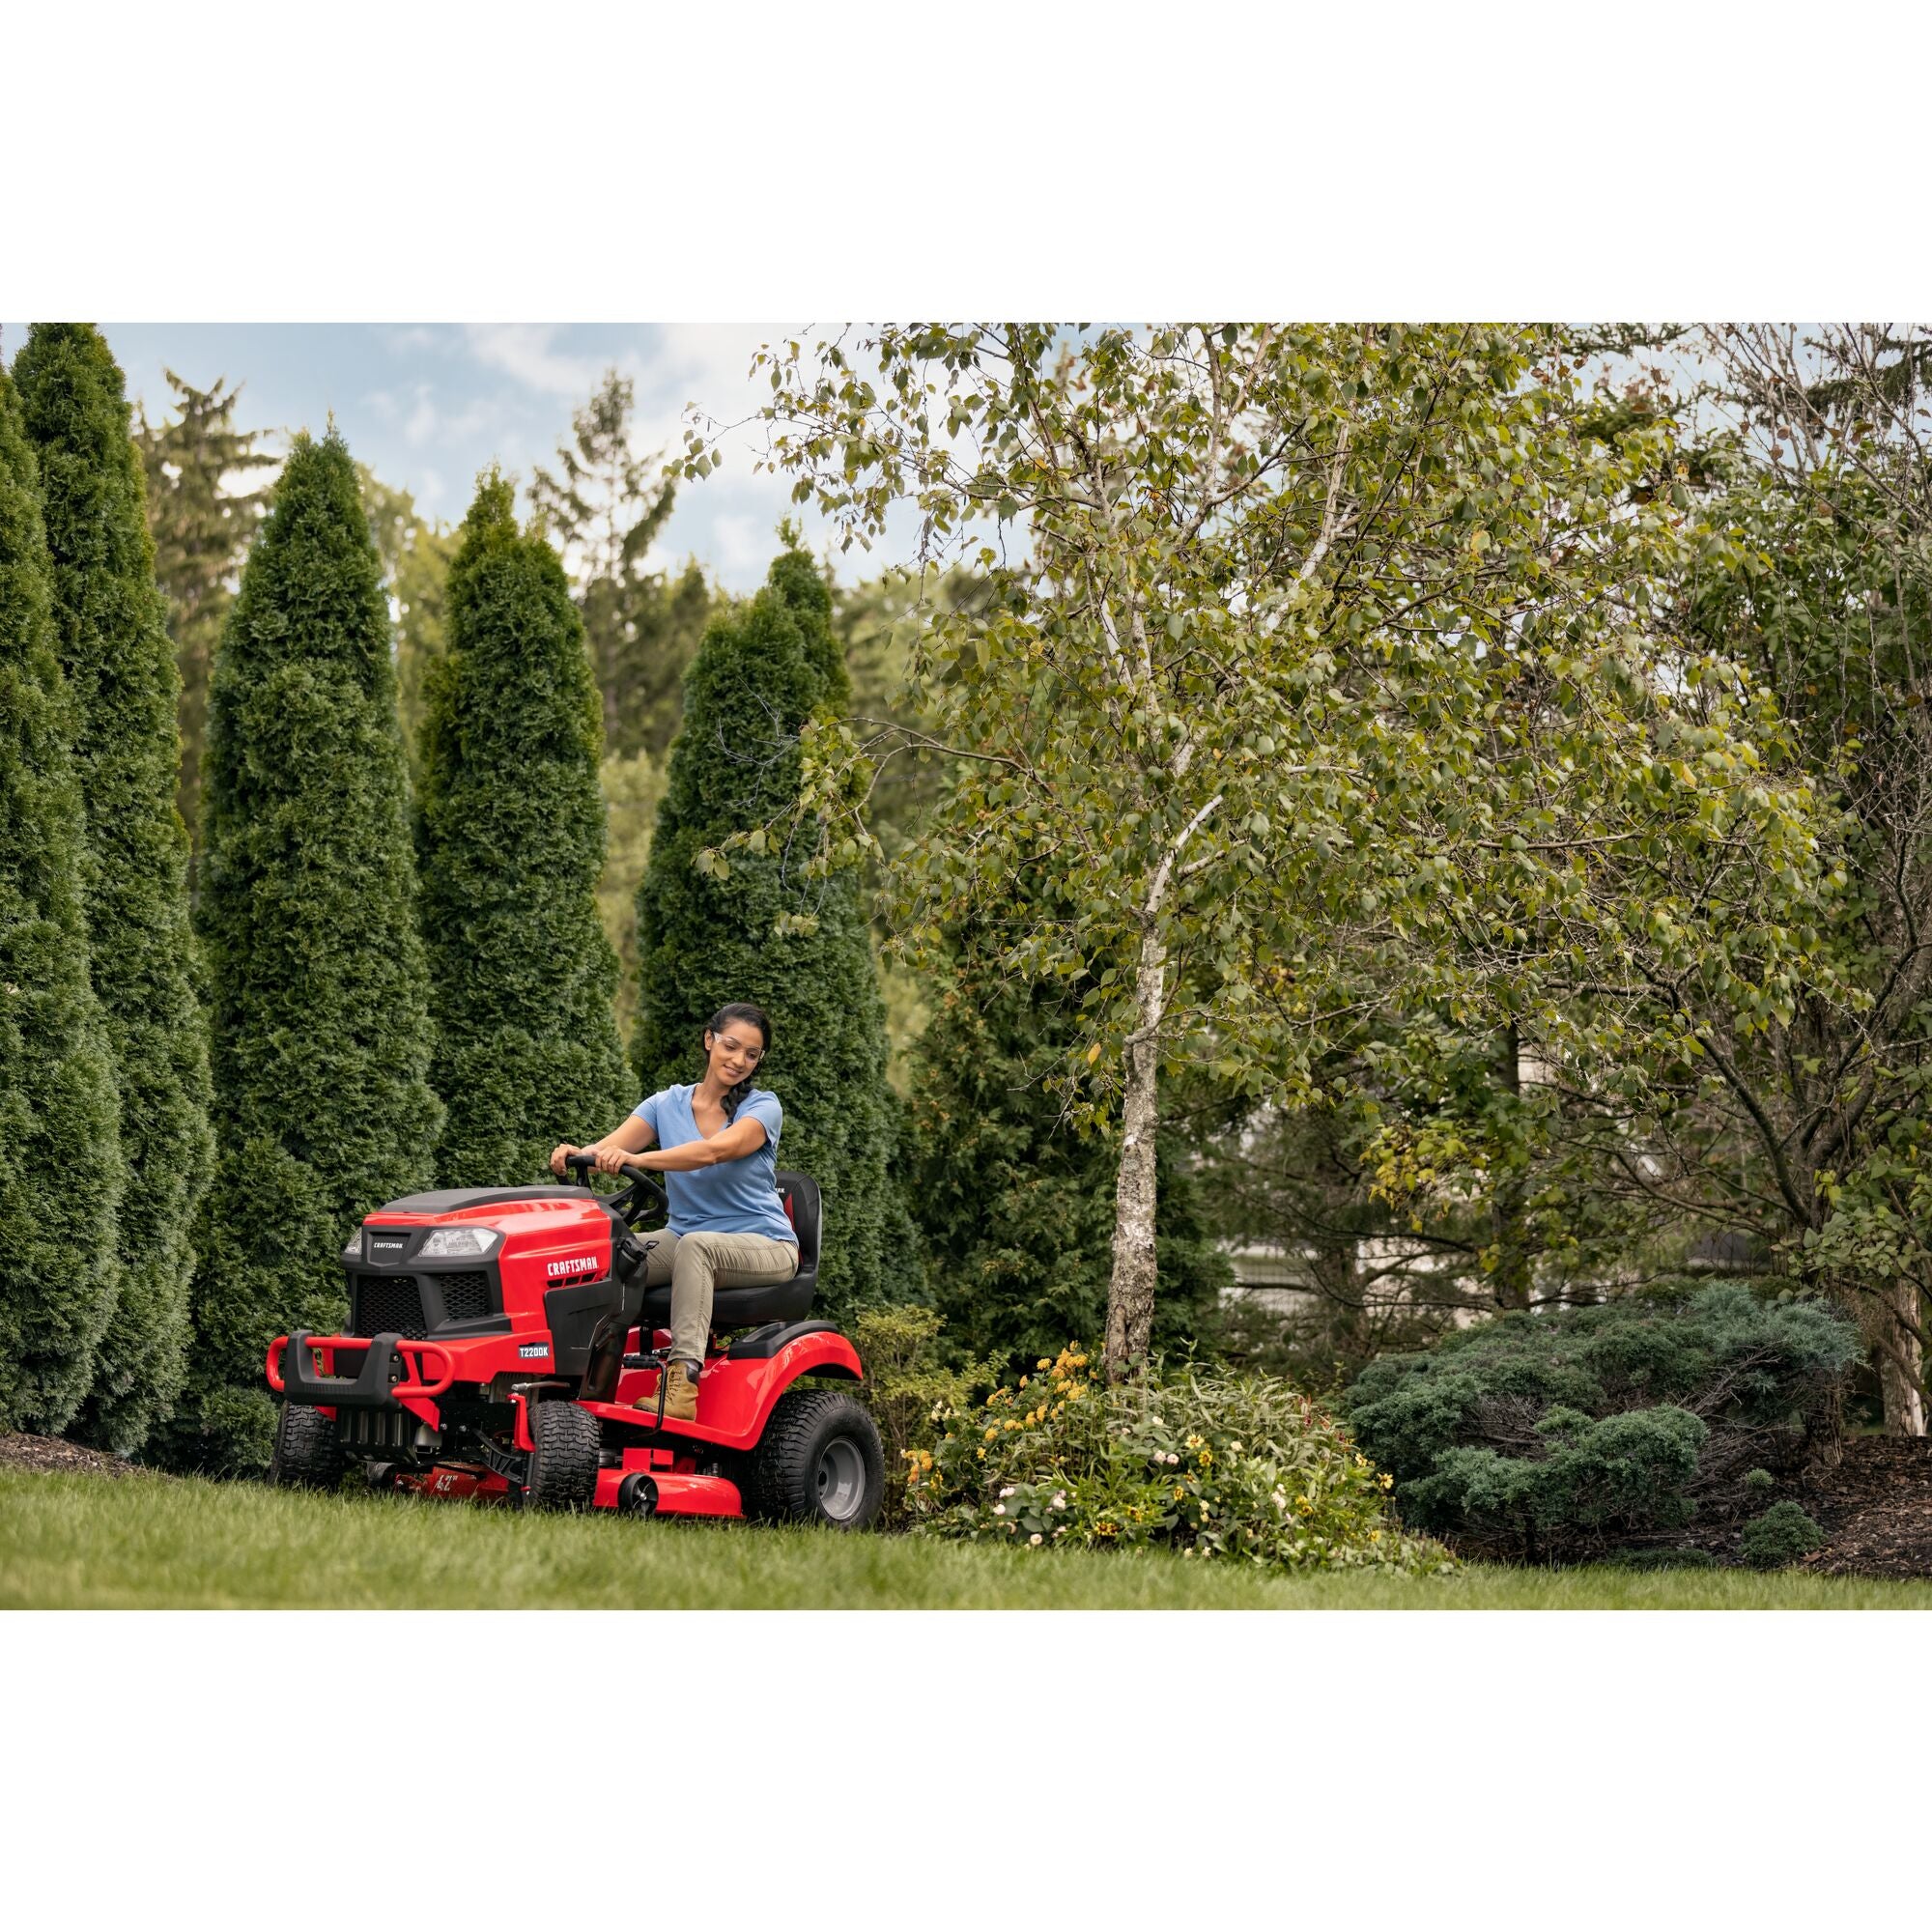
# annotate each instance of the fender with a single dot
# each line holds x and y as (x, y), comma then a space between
(735, 1399)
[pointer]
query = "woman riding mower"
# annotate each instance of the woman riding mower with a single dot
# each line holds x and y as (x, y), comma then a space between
(716, 1143)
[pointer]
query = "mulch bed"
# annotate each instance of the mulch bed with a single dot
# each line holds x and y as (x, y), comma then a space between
(47, 1454)
(1875, 1509)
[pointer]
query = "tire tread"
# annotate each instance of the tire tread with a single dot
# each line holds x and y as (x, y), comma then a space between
(564, 1463)
(780, 1485)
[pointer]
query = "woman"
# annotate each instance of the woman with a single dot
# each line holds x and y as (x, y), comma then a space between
(716, 1143)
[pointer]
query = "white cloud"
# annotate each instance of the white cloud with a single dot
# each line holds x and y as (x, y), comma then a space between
(739, 545)
(528, 351)
(422, 423)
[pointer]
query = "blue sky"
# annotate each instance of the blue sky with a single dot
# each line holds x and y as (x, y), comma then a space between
(428, 407)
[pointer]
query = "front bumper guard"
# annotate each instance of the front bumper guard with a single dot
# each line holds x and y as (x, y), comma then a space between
(393, 1371)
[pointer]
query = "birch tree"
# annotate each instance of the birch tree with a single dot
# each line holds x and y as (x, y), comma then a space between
(1302, 645)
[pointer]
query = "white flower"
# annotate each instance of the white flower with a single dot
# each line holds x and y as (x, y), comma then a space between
(1008, 1490)
(1035, 1537)
(1157, 1422)
(999, 1509)
(1172, 1456)
(1059, 1499)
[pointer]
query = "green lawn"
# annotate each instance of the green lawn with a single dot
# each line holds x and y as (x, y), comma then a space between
(72, 1542)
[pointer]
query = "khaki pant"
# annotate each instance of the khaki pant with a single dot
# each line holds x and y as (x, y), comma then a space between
(697, 1264)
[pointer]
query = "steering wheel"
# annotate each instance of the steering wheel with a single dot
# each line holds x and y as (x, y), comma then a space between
(630, 1204)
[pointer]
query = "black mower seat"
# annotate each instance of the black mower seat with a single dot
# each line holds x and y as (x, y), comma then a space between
(786, 1300)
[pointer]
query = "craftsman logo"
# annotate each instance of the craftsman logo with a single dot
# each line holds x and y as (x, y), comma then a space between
(531, 1351)
(577, 1265)
(388, 1244)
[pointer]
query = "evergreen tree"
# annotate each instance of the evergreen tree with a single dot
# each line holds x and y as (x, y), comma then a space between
(322, 1035)
(112, 637)
(605, 504)
(510, 843)
(706, 929)
(201, 534)
(60, 1150)
(1017, 1208)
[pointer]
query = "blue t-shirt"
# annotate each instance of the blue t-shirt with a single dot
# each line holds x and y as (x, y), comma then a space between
(736, 1197)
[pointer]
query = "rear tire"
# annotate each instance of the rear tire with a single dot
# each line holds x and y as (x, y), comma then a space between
(820, 1462)
(564, 1463)
(307, 1455)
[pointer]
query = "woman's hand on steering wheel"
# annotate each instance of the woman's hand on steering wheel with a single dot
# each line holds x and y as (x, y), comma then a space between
(557, 1154)
(613, 1160)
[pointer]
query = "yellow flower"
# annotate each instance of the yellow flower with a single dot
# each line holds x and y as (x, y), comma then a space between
(1207, 1457)
(982, 1454)
(1043, 1363)
(1080, 1361)
(1178, 1493)
(1388, 1480)
(1023, 1381)
(991, 1432)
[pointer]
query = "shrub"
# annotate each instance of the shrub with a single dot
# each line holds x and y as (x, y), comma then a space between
(60, 1154)
(111, 626)
(1203, 1461)
(910, 1391)
(509, 845)
(1555, 1437)
(1781, 1535)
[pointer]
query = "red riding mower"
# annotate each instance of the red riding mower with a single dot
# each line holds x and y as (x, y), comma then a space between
(497, 1349)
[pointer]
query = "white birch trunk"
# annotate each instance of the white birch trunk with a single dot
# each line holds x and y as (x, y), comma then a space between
(1130, 1289)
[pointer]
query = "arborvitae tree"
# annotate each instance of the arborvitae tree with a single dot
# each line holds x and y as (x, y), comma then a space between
(1017, 1208)
(322, 1034)
(60, 1147)
(709, 936)
(510, 842)
(200, 529)
(112, 638)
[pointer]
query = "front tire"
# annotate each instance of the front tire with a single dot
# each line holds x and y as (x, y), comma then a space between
(307, 1455)
(564, 1463)
(820, 1462)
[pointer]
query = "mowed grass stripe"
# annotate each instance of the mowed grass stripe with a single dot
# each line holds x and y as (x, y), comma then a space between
(72, 1542)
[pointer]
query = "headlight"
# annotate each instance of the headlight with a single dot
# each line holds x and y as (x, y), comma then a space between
(446, 1243)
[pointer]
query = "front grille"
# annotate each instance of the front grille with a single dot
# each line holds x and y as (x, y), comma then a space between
(388, 1304)
(465, 1297)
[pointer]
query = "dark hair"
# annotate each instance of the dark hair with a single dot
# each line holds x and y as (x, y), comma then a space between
(753, 1016)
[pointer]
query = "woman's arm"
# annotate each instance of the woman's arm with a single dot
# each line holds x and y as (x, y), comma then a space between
(740, 1138)
(622, 1144)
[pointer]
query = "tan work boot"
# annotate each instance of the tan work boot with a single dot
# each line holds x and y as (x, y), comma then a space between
(680, 1394)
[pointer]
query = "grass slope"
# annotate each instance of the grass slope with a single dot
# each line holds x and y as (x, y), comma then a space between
(84, 1542)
